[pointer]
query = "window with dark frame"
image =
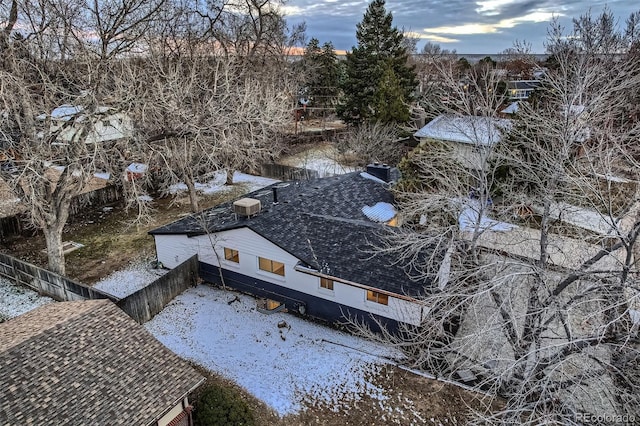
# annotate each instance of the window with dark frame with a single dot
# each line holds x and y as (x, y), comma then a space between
(231, 255)
(271, 266)
(326, 283)
(374, 296)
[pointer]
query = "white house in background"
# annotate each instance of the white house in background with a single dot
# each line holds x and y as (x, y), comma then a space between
(469, 137)
(108, 124)
(307, 246)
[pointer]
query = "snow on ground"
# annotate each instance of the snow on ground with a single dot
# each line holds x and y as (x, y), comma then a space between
(321, 159)
(581, 217)
(217, 183)
(16, 300)
(281, 366)
(127, 281)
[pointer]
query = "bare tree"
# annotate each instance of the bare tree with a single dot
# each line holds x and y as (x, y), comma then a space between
(205, 114)
(64, 118)
(539, 310)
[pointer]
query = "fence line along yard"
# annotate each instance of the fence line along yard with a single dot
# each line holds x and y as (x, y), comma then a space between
(142, 305)
(47, 283)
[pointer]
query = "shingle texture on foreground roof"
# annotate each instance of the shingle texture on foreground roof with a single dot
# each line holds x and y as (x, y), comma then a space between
(320, 222)
(86, 363)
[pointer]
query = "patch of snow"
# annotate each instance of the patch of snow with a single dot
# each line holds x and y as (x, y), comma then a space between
(470, 218)
(580, 217)
(145, 197)
(217, 183)
(129, 280)
(320, 160)
(466, 129)
(372, 177)
(65, 112)
(380, 212)
(281, 366)
(253, 182)
(612, 178)
(105, 176)
(137, 168)
(16, 300)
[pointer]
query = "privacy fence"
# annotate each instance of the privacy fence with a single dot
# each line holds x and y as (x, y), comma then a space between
(142, 305)
(280, 172)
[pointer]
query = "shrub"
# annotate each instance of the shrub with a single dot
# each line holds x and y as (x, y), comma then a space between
(221, 406)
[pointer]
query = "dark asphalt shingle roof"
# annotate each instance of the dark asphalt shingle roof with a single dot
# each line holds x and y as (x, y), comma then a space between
(321, 223)
(86, 363)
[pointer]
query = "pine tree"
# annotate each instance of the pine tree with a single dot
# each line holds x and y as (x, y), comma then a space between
(322, 74)
(380, 53)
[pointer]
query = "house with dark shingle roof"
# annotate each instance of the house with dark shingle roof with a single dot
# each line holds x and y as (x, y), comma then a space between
(310, 246)
(88, 363)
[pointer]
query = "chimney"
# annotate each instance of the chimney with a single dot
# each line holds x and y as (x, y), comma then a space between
(380, 171)
(275, 195)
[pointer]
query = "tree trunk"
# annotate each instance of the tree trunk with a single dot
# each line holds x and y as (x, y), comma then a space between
(229, 177)
(53, 237)
(193, 196)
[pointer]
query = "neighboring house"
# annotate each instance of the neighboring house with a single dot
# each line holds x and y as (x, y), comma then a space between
(469, 137)
(108, 124)
(518, 90)
(307, 246)
(88, 363)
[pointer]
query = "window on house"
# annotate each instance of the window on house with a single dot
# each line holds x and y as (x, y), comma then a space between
(271, 266)
(231, 255)
(374, 296)
(326, 283)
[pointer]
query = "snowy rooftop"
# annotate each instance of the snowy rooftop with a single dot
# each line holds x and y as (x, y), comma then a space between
(465, 129)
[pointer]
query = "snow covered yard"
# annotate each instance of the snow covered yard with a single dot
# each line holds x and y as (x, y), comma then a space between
(17, 300)
(136, 276)
(217, 183)
(322, 158)
(285, 367)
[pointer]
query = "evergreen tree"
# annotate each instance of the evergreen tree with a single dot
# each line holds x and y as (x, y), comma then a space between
(322, 74)
(380, 55)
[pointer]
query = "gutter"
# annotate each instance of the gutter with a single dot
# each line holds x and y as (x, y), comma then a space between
(316, 273)
(200, 382)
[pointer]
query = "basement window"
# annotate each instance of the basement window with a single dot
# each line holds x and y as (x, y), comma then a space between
(231, 255)
(271, 266)
(374, 296)
(326, 283)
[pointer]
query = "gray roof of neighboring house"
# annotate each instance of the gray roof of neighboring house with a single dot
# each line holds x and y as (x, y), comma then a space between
(320, 222)
(86, 362)
(467, 129)
(523, 84)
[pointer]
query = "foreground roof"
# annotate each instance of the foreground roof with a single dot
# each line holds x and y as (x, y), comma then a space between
(86, 362)
(323, 223)
(466, 129)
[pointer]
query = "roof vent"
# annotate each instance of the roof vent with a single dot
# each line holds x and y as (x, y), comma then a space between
(382, 172)
(246, 207)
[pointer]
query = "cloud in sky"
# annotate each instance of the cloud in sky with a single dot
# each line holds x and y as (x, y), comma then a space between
(481, 26)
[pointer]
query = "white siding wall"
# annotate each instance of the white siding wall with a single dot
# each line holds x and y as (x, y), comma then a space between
(172, 250)
(251, 245)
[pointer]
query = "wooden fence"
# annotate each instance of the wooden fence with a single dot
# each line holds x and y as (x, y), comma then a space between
(145, 303)
(142, 305)
(46, 282)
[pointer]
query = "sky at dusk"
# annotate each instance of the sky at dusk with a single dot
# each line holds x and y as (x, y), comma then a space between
(488, 26)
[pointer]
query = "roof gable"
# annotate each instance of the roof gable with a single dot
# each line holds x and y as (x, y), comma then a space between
(465, 129)
(86, 362)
